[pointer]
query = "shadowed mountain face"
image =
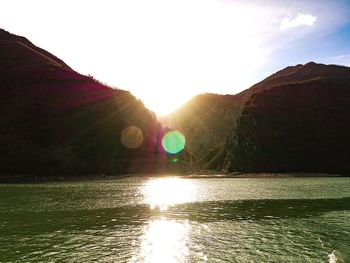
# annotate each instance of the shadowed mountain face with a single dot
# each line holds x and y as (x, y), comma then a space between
(295, 120)
(56, 120)
(299, 125)
(207, 119)
(18, 53)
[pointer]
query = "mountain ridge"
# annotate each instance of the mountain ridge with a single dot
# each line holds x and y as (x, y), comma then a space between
(216, 156)
(55, 120)
(294, 127)
(9, 41)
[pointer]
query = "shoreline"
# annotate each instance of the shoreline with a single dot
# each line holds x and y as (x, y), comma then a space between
(19, 179)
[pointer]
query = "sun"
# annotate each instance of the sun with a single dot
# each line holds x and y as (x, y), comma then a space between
(163, 103)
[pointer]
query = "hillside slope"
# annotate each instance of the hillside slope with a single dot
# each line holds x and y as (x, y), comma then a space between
(205, 121)
(55, 120)
(216, 126)
(300, 124)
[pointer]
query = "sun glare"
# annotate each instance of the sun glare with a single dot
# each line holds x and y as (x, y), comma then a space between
(166, 52)
(164, 103)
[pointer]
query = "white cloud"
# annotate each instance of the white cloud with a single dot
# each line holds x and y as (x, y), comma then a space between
(299, 20)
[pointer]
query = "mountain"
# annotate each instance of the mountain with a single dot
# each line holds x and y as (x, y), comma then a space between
(18, 53)
(205, 121)
(55, 120)
(294, 120)
(300, 122)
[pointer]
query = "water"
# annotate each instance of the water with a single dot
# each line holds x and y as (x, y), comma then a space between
(177, 220)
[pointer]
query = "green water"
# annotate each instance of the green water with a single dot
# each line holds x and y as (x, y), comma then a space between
(177, 220)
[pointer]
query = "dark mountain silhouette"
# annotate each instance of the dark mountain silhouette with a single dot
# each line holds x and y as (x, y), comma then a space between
(301, 123)
(54, 119)
(289, 122)
(207, 118)
(18, 53)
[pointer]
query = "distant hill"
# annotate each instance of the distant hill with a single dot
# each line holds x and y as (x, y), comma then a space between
(223, 131)
(205, 121)
(55, 120)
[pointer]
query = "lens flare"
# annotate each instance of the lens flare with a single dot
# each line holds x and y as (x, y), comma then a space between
(131, 137)
(173, 142)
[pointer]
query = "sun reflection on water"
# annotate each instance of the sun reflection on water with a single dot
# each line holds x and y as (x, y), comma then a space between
(164, 241)
(164, 192)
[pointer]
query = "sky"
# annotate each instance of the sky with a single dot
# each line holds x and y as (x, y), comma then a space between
(167, 51)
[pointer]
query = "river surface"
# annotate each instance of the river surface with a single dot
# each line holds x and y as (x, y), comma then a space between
(177, 220)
